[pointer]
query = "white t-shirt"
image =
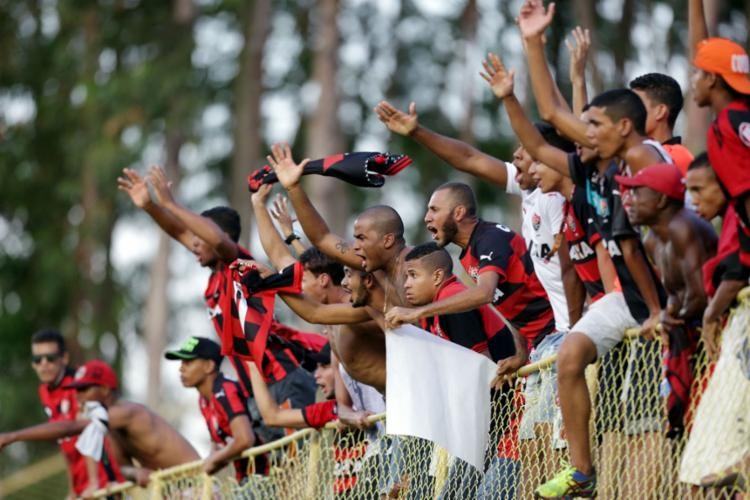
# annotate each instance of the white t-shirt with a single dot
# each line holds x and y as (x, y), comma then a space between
(542, 220)
(364, 397)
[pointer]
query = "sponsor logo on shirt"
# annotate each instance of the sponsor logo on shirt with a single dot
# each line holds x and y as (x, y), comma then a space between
(744, 132)
(536, 221)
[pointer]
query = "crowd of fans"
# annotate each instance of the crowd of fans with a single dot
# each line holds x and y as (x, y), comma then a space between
(615, 234)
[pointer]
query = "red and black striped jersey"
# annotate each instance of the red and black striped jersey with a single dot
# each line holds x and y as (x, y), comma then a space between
(227, 402)
(480, 329)
(61, 404)
(582, 238)
(219, 297)
(519, 296)
(728, 146)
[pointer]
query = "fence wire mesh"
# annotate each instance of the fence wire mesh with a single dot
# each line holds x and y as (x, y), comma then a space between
(639, 448)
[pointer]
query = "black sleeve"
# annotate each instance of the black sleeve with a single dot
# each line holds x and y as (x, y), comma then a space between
(730, 268)
(465, 328)
(493, 249)
(577, 170)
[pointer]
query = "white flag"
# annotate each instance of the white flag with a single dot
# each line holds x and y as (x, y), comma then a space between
(439, 391)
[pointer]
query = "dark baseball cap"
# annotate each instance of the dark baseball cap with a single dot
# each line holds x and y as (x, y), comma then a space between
(197, 348)
(323, 356)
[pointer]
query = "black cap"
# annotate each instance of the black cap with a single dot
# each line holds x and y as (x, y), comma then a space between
(197, 348)
(323, 356)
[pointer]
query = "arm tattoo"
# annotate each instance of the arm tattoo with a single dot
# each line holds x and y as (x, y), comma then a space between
(342, 246)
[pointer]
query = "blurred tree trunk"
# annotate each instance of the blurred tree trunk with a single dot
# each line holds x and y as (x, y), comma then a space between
(585, 13)
(323, 135)
(697, 119)
(157, 309)
(247, 128)
(469, 21)
(621, 50)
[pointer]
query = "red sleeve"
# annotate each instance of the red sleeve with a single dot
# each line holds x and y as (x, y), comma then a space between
(319, 414)
(728, 147)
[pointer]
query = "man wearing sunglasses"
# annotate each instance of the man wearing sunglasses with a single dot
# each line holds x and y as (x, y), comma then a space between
(49, 359)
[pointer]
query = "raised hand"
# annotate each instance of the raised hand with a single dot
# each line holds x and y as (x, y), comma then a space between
(281, 161)
(135, 186)
(280, 212)
(396, 120)
(533, 18)
(161, 184)
(500, 80)
(260, 197)
(578, 53)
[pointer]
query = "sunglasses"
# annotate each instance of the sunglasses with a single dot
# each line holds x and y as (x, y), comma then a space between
(51, 358)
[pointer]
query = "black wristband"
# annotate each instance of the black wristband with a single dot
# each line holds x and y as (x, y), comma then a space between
(289, 239)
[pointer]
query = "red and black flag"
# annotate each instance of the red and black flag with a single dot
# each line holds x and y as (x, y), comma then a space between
(365, 169)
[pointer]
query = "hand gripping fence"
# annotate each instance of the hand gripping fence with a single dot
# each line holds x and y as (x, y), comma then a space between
(637, 451)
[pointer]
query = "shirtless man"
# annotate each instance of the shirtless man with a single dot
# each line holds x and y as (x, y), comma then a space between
(359, 346)
(679, 243)
(379, 246)
(136, 432)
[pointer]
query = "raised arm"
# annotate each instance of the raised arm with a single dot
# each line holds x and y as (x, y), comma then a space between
(457, 154)
(315, 228)
(533, 20)
(48, 431)
(203, 227)
(324, 314)
(275, 249)
(501, 83)
(578, 55)
(280, 212)
(135, 186)
(697, 25)
(273, 415)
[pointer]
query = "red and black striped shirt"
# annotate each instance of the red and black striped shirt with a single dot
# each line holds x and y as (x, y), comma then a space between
(278, 359)
(582, 238)
(480, 329)
(519, 296)
(227, 402)
(61, 404)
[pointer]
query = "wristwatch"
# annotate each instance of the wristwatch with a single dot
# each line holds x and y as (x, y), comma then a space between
(289, 239)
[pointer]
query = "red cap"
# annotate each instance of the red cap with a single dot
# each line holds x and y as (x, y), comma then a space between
(728, 59)
(663, 178)
(95, 372)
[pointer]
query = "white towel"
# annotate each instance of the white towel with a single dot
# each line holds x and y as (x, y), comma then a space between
(439, 391)
(91, 441)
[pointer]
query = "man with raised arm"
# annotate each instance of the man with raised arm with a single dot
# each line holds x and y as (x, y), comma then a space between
(641, 297)
(322, 282)
(541, 213)
(721, 81)
(212, 236)
(379, 245)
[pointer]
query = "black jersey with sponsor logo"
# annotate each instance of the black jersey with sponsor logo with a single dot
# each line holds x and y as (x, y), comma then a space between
(582, 237)
(610, 219)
